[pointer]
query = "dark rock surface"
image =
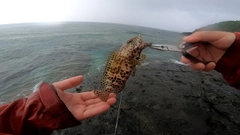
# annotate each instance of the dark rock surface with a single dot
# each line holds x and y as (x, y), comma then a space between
(165, 99)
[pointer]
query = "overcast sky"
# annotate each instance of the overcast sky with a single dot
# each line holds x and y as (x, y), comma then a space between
(176, 15)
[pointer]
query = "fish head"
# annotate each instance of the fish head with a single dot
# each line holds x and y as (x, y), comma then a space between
(137, 45)
(131, 44)
(135, 41)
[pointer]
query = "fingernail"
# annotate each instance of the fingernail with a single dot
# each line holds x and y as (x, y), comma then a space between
(187, 38)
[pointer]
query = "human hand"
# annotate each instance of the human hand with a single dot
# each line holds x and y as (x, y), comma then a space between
(82, 105)
(218, 43)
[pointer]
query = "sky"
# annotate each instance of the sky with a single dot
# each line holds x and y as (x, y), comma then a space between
(174, 15)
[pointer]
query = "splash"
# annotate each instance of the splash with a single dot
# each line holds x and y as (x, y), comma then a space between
(177, 62)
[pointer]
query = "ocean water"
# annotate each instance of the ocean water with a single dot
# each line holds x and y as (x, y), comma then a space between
(32, 53)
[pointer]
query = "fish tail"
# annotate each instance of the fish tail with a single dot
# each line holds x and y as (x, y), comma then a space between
(102, 94)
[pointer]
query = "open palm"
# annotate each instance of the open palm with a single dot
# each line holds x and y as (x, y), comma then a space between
(82, 105)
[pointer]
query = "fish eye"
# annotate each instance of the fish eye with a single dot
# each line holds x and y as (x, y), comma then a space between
(130, 41)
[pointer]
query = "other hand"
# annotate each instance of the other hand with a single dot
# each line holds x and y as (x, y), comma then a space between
(82, 105)
(218, 43)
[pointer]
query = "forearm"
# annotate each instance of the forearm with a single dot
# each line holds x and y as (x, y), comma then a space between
(229, 64)
(40, 113)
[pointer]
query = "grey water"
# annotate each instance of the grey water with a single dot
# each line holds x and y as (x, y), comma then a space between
(35, 52)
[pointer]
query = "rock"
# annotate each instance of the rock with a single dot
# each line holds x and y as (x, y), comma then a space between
(229, 111)
(165, 98)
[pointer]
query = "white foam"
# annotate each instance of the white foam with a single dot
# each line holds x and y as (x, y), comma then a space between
(178, 62)
(149, 62)
(36, 87)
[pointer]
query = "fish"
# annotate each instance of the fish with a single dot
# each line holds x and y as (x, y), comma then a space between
(120, 65)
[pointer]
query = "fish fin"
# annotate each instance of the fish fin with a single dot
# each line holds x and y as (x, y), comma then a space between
(138, 63)
(110, 63)
(142, 57)
(133, 71)
(102, 94)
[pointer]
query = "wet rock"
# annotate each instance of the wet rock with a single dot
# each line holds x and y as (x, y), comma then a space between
(229, 111)
(165, 98)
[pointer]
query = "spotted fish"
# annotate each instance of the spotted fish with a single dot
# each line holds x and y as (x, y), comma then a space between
(120, 65)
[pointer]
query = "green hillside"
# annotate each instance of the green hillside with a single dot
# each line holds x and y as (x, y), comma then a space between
(231, 26)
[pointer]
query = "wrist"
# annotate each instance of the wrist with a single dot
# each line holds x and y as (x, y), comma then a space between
(56, 107)
(228, 63)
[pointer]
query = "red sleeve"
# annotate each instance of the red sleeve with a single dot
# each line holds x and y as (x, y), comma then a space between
(40, 113)
(229, 64)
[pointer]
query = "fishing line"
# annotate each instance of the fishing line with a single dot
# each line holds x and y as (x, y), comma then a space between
(118, 114)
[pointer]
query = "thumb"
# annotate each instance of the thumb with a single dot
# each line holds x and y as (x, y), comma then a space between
(219, 39)
(198, 36)
(208, 36)
(68, 83)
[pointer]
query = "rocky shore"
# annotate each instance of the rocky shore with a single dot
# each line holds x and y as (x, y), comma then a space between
(168, 99)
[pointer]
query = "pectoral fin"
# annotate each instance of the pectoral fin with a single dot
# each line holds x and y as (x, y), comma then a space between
(142, 57)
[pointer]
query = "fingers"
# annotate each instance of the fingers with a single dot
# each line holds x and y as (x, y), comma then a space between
(90, 95)
(68, 83)
(97, 106)
(199, 66)
(210, 66)
(211, 45)
(92, 103)
(111, 100)
(185, 60)
(90, 98)
(87, 95)
(97, 109)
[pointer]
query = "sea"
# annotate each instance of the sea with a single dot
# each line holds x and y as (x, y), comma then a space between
(48, 52)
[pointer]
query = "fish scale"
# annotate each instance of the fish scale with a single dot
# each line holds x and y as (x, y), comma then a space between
(120, 65)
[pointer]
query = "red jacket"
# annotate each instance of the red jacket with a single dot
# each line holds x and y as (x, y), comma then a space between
(229, 64)
(43, 111)
(39, 114)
